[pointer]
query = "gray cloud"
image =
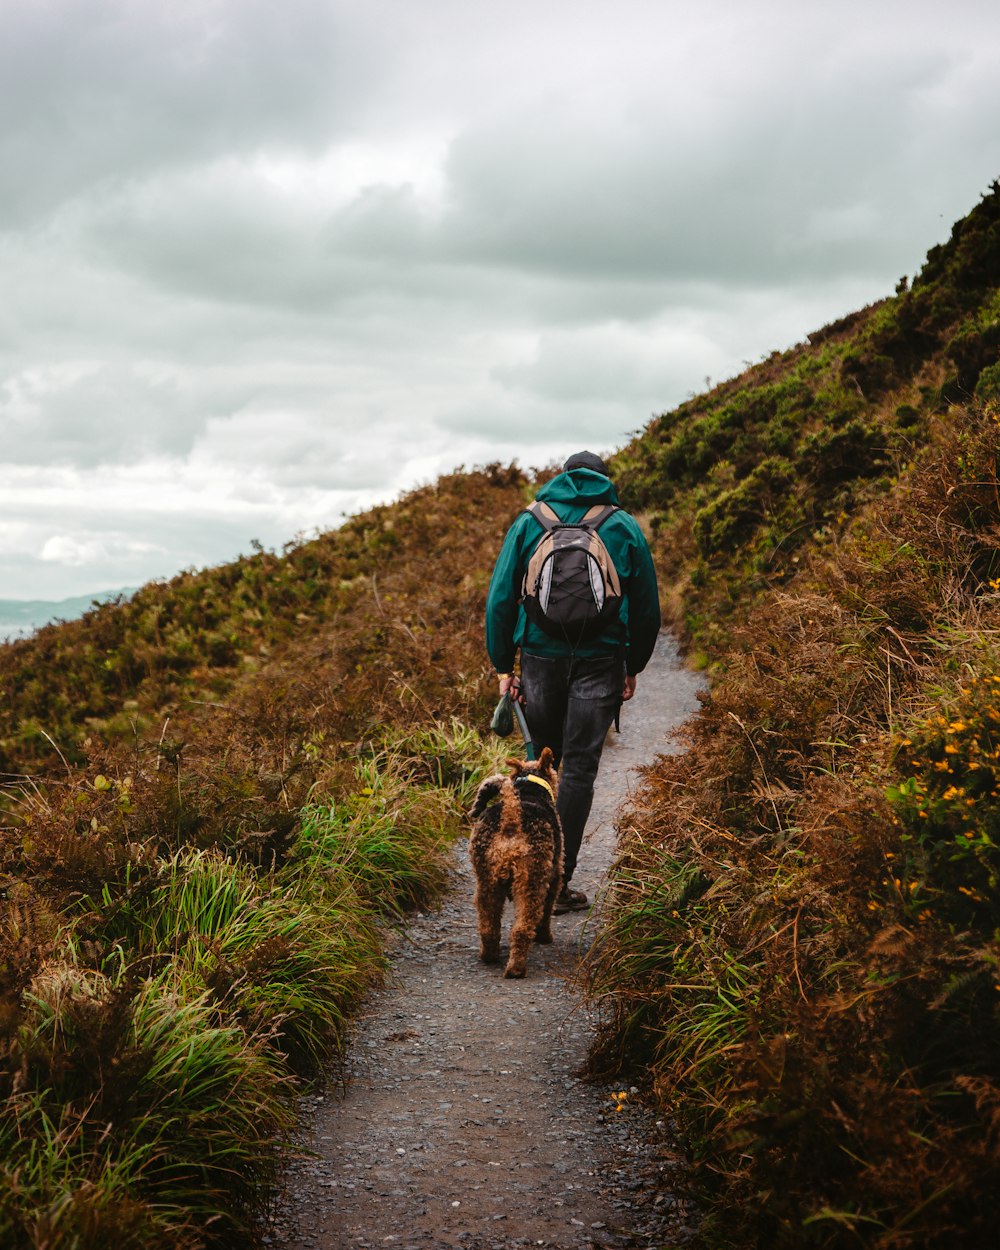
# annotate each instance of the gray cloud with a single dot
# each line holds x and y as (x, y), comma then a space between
(799, 184)
(89, 414)
(277, 261)
(109, 91)
(605, 364)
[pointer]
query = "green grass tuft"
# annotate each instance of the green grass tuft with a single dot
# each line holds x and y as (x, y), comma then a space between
(152, 1031)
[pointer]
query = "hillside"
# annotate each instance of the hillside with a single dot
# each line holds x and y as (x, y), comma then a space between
(215, 790)
(739, 481)
(216, 795)
(801, 960)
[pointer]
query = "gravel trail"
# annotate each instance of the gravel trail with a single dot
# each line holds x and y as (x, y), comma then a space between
(463, 1122)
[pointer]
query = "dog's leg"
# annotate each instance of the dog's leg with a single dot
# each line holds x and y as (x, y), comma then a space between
(530, 884)
(543, 933)
(555, 874)
(489, 908)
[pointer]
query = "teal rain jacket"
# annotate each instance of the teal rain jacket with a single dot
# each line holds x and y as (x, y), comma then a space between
(634, 633)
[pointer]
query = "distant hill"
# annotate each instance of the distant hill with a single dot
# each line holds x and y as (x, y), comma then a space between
(19, 617)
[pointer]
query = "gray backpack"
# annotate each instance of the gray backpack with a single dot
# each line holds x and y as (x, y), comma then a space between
(571, 588)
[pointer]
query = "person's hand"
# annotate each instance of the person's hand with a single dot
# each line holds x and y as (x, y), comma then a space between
(510, 684)
(629, 688)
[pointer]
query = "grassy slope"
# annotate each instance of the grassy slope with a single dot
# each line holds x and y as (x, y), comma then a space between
(349, 620)
(805, 969)
(213, 794)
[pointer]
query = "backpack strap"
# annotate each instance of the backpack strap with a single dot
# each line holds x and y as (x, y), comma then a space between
(546, 517)
(598, 514)
(549, 519)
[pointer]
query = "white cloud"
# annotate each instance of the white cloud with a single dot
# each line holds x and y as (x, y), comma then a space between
(74, 552)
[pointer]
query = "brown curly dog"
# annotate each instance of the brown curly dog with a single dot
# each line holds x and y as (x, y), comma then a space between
(517, 852)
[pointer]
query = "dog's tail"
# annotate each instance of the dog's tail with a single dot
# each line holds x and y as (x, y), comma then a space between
(487, 792)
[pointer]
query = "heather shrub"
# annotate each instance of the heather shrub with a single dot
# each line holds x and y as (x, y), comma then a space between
(949, 806)
(802, 971)
(988, 385)
(736, 512)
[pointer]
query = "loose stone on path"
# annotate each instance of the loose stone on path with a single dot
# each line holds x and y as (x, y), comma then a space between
(463, 1122)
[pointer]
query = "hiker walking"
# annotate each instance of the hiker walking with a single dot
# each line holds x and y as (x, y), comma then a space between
(574, 591)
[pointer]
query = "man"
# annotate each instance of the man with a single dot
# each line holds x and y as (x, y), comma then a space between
(572, 690)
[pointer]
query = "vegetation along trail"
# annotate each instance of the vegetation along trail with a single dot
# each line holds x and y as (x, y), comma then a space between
(463, 1122)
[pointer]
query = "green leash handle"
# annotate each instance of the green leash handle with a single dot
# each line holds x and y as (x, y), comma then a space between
(529, 746)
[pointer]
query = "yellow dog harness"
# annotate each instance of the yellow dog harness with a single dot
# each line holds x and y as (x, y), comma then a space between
(539, 781)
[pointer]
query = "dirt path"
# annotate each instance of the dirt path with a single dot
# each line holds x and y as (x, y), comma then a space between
(463, 1123)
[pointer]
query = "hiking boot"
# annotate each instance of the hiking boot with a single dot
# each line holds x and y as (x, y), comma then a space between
(570, 900)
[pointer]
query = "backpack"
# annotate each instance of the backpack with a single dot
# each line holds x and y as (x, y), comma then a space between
(571, 588)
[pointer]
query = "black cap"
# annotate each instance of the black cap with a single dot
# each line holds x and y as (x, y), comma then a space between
(586, 460)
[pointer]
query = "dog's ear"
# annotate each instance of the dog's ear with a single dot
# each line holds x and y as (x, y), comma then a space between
(516, 766)
(546, 758)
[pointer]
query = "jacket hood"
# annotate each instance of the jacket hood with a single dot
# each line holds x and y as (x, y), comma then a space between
(579, 486)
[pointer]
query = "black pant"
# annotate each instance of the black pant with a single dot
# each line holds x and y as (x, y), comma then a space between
(569, 704)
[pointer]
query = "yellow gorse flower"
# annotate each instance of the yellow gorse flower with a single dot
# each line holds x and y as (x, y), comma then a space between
(620, 1099)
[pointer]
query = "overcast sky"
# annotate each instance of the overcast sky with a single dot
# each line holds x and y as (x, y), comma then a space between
(264, 263)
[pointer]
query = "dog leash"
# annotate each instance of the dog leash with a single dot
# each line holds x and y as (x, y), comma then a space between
(522, 724)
